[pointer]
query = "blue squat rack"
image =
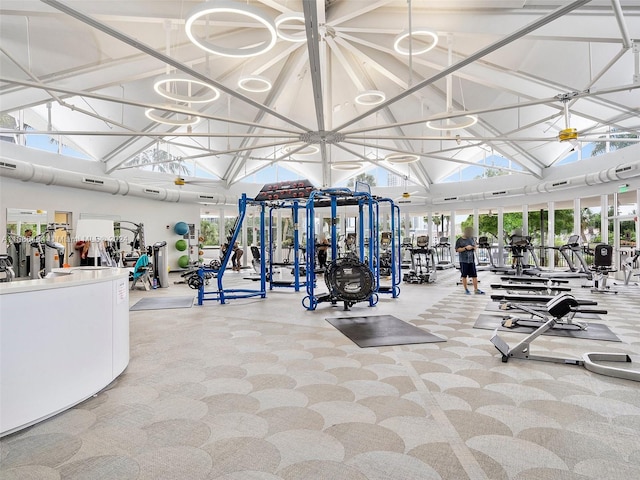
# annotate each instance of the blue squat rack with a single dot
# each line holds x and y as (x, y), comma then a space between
(223, 294)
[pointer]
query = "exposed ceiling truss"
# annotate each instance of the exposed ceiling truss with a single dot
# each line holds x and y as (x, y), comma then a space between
(311, 100)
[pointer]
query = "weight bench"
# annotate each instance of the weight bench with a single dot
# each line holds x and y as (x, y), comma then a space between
(535, 299)
(560, 311)
(548, 281)
(524, 287)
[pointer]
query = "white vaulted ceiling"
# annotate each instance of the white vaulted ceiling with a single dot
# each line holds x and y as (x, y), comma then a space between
(90, 60)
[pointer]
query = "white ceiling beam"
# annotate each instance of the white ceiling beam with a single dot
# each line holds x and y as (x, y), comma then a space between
(291, 69)
(166, 59)
(471, 58)
(337, 17)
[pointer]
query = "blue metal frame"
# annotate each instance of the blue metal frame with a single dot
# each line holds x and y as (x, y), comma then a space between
(222, 294)
(396, 249)
(370, 255)
(295, 215)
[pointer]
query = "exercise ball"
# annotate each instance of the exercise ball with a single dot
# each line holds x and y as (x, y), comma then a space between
(183, 261)
(181, 228)
(181, 245)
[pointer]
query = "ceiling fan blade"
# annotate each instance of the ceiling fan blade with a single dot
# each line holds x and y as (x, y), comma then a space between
(204, 182)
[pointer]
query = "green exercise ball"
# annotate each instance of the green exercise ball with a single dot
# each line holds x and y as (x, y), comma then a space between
(181, 245)
(183, 261)
(181, 228)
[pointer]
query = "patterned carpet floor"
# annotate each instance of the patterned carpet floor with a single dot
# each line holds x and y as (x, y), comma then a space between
(264, 390)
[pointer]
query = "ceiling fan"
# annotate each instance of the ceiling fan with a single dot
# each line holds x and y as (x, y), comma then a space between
(407, 196)
(180, 181)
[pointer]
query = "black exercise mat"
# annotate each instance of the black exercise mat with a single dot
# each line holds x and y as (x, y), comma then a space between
(596, 331)
(495, 307)
(162, 303)
(381, 331)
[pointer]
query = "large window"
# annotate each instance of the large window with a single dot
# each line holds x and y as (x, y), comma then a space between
(209, 231)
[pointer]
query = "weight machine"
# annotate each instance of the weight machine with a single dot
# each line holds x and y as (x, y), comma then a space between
(602, 267)
(356, 277)
(6, 268)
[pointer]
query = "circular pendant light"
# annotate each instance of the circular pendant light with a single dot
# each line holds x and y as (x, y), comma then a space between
(465, 121)
(422, 34)
(254, 83)
(234, 8)
(370, 97)
(305, 150)
(397, 158)
(288, 18)
(346, 166)
(191, 116)
(162, 86)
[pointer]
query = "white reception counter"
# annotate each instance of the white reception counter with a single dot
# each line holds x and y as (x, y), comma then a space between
(62, 340)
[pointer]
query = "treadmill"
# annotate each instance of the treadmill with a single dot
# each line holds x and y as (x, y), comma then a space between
(571, 249)
(443, 253)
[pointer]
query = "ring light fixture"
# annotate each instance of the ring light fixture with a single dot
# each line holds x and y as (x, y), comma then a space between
(346, 166)
(162, 86)
(235, 8)
(402, 158)
(254, 83)
(191, 119)
(450, 124)
(370, 97)
(430, 37)
(288, 18)
(306, 150)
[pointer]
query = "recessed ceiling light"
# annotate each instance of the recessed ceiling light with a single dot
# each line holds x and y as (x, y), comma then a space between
(402, 158)
(465, 121)
(307, 149)
(235, 8)
(291, 17)
(254, 83)
(191, 117)
(424, 35)
(162, 86)
(370, 97)
(346, 166)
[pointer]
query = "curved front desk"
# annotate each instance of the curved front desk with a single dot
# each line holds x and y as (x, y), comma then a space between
(62, 340)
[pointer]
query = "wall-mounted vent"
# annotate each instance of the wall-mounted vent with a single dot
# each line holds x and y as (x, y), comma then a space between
(206, 197)
(93, 181)
(7, 165)
(449, 199)
(623, 169)
(501, 192)
(151, 191)
(560, 184)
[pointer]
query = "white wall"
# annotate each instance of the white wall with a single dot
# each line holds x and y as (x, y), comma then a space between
(155, 215)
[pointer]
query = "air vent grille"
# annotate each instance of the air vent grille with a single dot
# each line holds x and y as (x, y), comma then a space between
(93, 181)
(10, 166)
